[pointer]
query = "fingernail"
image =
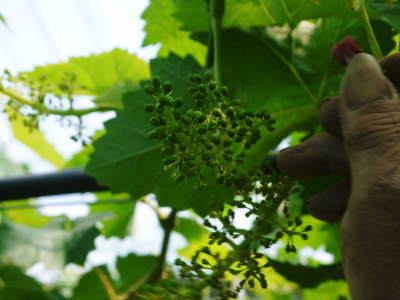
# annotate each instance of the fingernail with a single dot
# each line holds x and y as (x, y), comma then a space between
(364, 82)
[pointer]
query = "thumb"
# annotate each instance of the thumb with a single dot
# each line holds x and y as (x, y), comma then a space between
(369, 104)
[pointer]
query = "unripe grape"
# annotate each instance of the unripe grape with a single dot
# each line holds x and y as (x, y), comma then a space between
(156, 81)
(167, 87)
(150, 107)
(178, 102)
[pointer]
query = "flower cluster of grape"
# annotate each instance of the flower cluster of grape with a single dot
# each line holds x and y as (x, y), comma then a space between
(210, 131)
(245, 260)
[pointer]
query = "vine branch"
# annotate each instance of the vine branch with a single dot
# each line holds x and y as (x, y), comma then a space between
(44, 109)
(217, 8)
(112, 295)
(373, 42)
(167, 225)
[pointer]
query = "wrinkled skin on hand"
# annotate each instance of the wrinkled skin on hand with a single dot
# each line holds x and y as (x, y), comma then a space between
(361, 143)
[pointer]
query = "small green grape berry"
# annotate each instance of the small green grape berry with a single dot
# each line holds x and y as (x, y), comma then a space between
(198, 96)
(208, 75)
(228, 151)
(202, 88)
(167, 87)
(242, 131)
(304, 236)
(216, 113)
(149, 107)
(156, 81)
(231, 133)
(235, 102)
(155, 121)
(202, 130)
(200, 117)
(307, 228)
(149, 90)
(222, 123)
(215, 139)
(238, 138)
(239, 160)
(169, 160)
(178, 102)
(195, 78)
(208, 146)
(212, 85)
(248, 121)
(265, 115)
(226, 143)
(165, 100)
(230, 112)
(224, 91)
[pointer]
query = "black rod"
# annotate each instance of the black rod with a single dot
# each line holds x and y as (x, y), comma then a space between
(57, 183)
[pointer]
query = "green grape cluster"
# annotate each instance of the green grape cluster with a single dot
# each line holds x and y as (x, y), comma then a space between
(214, 132)
(245, 259)
(44, 98)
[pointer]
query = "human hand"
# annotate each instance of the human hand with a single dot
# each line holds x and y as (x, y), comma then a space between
(362, 142)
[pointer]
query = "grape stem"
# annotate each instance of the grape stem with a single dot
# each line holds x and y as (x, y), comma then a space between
(45, 110)
(217, 8)
(167, 225)
(373, 42)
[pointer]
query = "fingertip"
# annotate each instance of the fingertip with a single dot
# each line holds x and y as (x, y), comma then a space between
(364, 82)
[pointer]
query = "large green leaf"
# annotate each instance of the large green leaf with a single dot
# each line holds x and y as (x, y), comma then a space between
(90, 285)
(15, 285)
(122, 213)
(125, 159)
(263, 80)
(134, 270)
(240, 13)
(52, 244)
(307, 277)
(388, 10)
(162, 27)
(99, 75)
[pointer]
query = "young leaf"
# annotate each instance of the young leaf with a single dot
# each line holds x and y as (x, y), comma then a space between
(162, 27)
(134, 270)
(98, 75)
